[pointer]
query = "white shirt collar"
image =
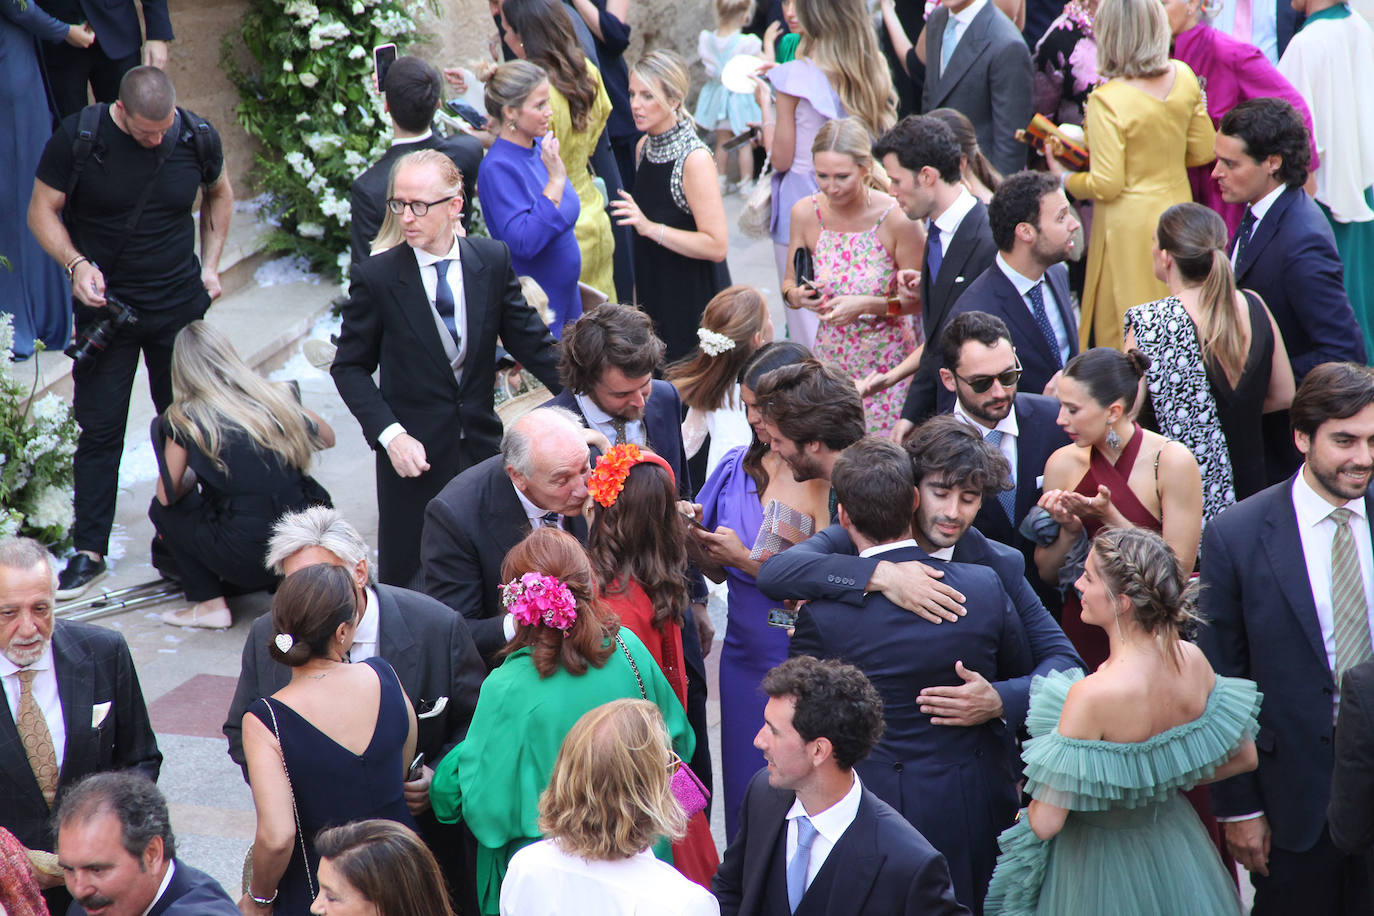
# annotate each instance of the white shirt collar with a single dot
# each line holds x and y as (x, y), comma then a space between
(943, 553)
(1019, 280)
(1007, 426)
(884, 548)
(1261, 206)
(533, 512)
(1312, 509)
(368, 626)
(399, 141)
(44, 662)
(954, 214)
(162, 888)
(425, 259)
(965, 15)
(835, 820)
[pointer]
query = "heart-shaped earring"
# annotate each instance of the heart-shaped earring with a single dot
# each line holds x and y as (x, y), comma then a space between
(284, 642)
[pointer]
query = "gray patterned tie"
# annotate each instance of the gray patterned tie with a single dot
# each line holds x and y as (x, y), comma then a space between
(1005, 498)
(1349, 607)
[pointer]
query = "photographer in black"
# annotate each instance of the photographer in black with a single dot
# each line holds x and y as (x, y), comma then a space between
(113, 203)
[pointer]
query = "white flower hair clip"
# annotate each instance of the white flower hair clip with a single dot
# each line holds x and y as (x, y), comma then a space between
(713, 343)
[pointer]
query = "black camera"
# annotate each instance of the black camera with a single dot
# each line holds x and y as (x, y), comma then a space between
(98, 336)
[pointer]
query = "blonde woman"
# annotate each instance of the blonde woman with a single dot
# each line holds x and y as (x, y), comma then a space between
(859, 238)
(838, 72)
(676, 212)
(609, 799)
(1145, 125)
(235, 451)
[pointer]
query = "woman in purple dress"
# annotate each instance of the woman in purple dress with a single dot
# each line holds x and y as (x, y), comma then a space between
(733, 501)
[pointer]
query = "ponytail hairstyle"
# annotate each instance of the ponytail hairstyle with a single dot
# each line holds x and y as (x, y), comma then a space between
(1195, 237)
(849, 137)
(1109, 375)
(546, 31)
(977, 163)
(707, 382)
(1138, 564)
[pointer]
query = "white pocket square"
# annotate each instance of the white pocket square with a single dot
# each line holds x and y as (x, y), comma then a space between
(958, 279)
(99, 713)
(1040, 482)
(439, 706)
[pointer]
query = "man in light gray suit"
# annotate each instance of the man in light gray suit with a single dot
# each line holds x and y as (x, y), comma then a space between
(978, 63)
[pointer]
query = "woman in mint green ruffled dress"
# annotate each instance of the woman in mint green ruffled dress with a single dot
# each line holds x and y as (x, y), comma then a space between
(1108, 830)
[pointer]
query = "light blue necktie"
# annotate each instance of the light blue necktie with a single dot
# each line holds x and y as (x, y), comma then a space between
(947, 43)
(1006, 498)
(443, 301)
(801, 862)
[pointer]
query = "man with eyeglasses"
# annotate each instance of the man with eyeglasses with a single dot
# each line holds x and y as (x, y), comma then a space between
(983, 371)
(1027, 285)
(428, 314)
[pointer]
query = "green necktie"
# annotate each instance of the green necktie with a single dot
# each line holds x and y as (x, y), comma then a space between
(1349, 608)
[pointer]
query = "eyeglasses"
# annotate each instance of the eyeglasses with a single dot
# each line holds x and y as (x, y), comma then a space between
(418, 207)
(981, 383)
(674, 761)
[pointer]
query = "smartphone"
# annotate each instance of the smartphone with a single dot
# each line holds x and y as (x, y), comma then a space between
(383, 56)
(467, 113)
(741, 138)
(691, 520)
(416, 766)
(782, 617)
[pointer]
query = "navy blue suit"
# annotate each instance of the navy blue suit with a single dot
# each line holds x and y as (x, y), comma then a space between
(881, 865)
(993, 293)
(1037, 437)
(191, 892)
(1262, 624)
(966, 255)
(118, 40)
(826, 566)
(957, 786)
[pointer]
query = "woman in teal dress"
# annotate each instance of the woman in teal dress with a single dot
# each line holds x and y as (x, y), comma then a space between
(1108, 830)
(568, 656)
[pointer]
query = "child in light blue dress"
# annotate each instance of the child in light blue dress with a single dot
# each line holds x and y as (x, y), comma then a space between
(727, 113)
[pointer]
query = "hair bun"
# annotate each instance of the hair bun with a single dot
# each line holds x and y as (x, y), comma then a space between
(1139, 361)
(485, 70)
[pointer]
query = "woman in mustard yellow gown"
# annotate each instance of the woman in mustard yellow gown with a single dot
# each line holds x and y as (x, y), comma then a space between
(1144, 126)
(541, 32)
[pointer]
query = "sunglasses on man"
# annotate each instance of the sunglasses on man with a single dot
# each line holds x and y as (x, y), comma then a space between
(979, 384)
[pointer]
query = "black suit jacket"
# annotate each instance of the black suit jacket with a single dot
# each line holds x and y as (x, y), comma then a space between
(469, 528)
(93, 666)
(116, 24)
(957, 786)
(1351, 812)
(1037, 437)
(993, 293)
(966, 255)
(368, 194)
(1262, 624)
(1292, 263)
(881, 864)
(388, 324)
(826, 565)
(191, 892)
(427, 645)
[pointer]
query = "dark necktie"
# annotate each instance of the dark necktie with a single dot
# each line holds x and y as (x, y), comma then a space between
(1247, 229)
(935, 253)
(619, 423)
(443, 301)
(550, 520)
(1005, 498)
(1042, 321)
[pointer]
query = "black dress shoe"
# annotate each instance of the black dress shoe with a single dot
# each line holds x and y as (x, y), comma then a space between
(81, 571)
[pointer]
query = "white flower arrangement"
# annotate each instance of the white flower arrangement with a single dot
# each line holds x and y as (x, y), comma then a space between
(713, 343)
(37, 441)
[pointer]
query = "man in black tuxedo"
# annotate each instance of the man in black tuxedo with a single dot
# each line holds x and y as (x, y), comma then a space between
(983, 371)
(955, 472)
(116, 847)
(922, 159)
(539, 479)
(427, 644)
(432, 331)
(120, 45)
(74, 703)
(957, 786)
(1284, 250)
(812, 837)
(1286, 592)
(1027, 285)
(1350, 814)
(413, 93)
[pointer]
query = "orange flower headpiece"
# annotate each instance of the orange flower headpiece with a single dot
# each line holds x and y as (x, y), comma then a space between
(608, 478)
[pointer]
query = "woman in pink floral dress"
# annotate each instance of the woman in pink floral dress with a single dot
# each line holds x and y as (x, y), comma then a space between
(859, 238)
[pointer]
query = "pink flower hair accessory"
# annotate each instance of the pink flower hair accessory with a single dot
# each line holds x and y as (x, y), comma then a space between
(534, 598)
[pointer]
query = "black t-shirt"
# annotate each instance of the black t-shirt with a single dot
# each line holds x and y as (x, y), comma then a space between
(157, 267)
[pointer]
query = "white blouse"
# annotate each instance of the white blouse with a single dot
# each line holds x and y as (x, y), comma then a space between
(543, 879)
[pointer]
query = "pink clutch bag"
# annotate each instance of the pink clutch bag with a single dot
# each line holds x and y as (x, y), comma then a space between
(782, 527)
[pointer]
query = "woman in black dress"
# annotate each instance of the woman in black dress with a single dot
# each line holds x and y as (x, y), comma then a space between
(677, 213)
(233, 453)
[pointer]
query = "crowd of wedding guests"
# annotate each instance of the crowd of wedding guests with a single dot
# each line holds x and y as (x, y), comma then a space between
(1044, 533)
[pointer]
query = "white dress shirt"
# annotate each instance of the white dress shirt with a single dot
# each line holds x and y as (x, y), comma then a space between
(830, 824)
(601, 422)
(1023, 286)
(366, 636)
(1007, 426)
(45, 694)
(402, 141)
(884, 548)
(429, 278)
(162, 888)
(542, 878)
(948, 221)
(1259, 208)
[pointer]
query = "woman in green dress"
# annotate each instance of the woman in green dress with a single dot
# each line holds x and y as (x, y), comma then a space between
(1108, 830)
(567, 657)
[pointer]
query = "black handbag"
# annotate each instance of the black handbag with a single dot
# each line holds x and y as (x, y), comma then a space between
(803, 266)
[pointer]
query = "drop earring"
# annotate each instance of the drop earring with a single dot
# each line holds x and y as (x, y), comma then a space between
(1113, 440)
